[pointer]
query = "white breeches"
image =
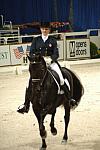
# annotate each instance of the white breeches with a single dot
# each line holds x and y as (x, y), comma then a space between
(54, 66)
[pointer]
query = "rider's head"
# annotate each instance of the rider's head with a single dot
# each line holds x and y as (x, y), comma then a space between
(45, 28)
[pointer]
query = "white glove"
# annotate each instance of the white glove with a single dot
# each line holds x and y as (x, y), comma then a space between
(48, 60)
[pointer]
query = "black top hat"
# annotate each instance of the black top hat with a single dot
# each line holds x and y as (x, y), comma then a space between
(45, 25)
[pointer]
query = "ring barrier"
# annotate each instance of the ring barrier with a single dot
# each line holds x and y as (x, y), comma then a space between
(71, 46)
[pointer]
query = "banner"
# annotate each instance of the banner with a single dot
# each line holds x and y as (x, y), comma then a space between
(18, 53)
(4, 55)
(78, 48)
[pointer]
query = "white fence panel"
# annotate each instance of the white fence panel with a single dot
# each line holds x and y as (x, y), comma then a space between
(4, 55)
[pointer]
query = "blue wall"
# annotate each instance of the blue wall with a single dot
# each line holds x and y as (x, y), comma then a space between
(24, 11)
(86, 13)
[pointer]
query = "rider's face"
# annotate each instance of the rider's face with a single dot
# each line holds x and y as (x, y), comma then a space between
(45, 31)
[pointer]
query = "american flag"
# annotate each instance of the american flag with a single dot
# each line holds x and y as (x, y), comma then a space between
(18, 52)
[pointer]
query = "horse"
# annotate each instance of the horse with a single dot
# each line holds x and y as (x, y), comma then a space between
(45, 98)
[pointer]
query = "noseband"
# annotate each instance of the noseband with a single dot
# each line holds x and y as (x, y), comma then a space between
(35, 80)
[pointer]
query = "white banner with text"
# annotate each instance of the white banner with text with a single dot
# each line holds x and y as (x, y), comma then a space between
(78, 48)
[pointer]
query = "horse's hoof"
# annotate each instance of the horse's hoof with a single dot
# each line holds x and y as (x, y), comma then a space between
(54, 131)
(64, 142)
(42, 148)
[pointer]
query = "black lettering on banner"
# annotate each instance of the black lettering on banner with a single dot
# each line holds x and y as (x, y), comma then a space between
(3, 55)
(80, 44)
(25, 59)
(81, 52)
(81, 48)
(72, 48)
(85, 44)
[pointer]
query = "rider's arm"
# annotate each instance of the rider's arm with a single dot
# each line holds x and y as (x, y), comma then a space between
(55, 53)
(32, 48)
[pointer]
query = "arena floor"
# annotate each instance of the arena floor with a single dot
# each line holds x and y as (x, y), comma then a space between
(20, 132)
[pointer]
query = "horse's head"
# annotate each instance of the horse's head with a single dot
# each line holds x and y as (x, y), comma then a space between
(37, 66)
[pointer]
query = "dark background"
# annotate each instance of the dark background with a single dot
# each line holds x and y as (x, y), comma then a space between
(82, 14)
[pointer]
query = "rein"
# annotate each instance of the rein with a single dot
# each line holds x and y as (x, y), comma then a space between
(43, 78)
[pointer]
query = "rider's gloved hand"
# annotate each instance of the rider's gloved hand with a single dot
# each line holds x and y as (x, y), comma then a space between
(48, 60)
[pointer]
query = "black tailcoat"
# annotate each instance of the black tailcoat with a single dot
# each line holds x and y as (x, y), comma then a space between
(47, 48)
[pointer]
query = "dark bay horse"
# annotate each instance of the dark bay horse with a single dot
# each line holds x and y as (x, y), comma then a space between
(45, 98)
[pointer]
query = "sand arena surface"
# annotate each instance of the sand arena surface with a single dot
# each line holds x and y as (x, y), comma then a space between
(20, 132)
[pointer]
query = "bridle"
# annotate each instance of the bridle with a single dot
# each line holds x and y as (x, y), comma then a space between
(34, 80)
(37, 80)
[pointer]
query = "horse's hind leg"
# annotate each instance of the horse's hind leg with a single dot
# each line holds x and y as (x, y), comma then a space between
(66, 119)
(53, 129)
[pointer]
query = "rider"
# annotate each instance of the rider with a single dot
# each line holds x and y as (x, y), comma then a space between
(46, 45)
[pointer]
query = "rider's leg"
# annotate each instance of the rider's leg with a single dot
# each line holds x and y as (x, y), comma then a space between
(25, 107)
(68, 94)
(54, 66)
(64, 85)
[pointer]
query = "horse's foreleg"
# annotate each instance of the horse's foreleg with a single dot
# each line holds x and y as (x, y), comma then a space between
(40, 117)
(66, 119)
(44, 146)
(53, 129)
(43, 132)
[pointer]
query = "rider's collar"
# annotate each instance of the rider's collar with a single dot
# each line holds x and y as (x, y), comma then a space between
(44, 37)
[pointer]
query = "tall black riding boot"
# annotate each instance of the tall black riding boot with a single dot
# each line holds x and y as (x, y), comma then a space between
(68, 95)
(24, 108)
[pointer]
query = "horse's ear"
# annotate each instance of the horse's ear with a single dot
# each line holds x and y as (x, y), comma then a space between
(29, 58)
